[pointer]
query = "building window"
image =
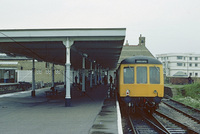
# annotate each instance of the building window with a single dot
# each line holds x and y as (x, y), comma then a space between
(38, 71)
(48, 71)
(179, 64)
(190, 58)
(196, 74)
(184, 58)
(179, 57)
(57, 71)
(196, 65)
(190, 74)
(196, 58)
(47, 65)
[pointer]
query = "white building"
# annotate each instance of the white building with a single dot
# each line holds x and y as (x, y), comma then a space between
(180, 64)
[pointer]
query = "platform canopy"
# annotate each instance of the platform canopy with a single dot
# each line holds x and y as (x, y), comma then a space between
(102, 45)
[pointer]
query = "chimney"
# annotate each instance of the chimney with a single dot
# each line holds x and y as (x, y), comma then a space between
(126, 44)
(141, 40)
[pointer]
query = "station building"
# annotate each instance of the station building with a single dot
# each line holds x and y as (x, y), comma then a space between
(129, 50)
(20, 70)
(180, 64)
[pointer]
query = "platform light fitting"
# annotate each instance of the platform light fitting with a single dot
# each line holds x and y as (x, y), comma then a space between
(85, 55)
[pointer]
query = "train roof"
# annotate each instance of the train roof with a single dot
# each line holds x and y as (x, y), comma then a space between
(140, 60)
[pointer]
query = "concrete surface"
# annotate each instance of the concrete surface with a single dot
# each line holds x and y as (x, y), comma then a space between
(106, 121)
(22, 114)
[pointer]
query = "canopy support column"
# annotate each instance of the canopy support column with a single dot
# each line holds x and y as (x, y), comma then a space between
(95, 75)
(79, 75)
(101, 75)
(73, 77)
(68, 44)
(64, 77)
(98, 74)
(107, 77)
(91, 74)
(33, 79)
(53, 75)
(83, 76)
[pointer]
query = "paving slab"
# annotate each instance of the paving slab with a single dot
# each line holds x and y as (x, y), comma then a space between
(106, 121)
(22, 114)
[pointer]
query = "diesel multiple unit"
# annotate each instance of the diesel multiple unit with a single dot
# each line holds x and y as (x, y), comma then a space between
(140, 82)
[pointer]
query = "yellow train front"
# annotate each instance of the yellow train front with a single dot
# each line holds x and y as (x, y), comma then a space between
(140, 82)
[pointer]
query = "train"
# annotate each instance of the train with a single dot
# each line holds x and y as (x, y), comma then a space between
(140, 83)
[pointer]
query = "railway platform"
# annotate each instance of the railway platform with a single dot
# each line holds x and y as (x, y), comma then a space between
(89, 113)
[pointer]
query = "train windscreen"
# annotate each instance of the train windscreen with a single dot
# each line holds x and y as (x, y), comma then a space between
(154, 75)
(128, 75)
(141, 75)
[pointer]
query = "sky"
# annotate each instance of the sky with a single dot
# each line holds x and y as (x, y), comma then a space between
(170, 26)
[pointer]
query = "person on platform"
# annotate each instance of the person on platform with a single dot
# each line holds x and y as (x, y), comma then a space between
(105, 80)
(189, 80)
(111, 79)
(76, 78)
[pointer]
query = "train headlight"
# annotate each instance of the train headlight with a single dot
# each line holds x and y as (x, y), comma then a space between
(127, 92)
(155, 92)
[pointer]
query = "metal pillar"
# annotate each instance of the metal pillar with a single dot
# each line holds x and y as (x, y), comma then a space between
(73, 76)
(67, 43)
(83, 76)
(90, 74)
(79, 75)
(98, 74)
(107, 77)
(33, 79)
(101, 71)
(95, 75)
(53, 75)
(64, 76)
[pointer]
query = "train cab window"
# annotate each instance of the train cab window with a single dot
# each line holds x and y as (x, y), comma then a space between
(141, 75)
(154, 73)
(128, 75)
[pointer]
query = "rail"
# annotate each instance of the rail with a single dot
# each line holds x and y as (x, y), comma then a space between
(188, 130)
(142, 122)
(180, 110)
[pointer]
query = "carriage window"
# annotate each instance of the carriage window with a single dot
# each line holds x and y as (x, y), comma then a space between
(154, 75)
(141, 75)
(128, 75)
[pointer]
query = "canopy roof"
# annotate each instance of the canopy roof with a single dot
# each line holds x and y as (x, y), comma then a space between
(102, 45)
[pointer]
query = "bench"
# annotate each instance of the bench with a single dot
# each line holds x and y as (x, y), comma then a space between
(53, 93)
(49, 93)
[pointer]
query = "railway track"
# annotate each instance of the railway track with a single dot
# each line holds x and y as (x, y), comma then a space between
(188, 111)
(141, 124)
(171, 117)
(174, 126)
(186, 115)
(157, 123)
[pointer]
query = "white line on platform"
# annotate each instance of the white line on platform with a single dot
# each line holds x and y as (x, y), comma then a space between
(11, 94)
(119, 121)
